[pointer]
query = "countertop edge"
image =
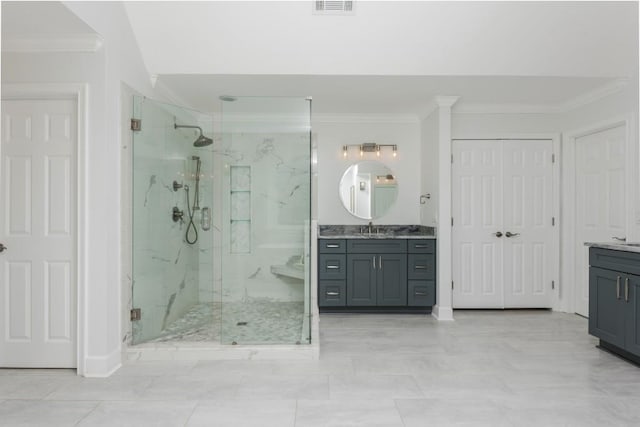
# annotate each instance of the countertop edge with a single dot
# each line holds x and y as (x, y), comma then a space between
(613, 246)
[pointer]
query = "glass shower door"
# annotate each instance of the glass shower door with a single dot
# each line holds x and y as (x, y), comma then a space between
(266, 199)
(172, 270)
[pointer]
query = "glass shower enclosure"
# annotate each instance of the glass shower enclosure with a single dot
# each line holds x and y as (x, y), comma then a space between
(221, 238)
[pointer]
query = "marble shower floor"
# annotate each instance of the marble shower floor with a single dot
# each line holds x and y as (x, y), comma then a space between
(248, 322)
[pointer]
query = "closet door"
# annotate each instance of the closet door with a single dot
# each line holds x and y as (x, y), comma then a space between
(476, 234)
(502, 235)
(527, 183)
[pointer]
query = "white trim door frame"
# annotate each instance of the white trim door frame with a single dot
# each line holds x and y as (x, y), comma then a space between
(569, 208)
(79, 93)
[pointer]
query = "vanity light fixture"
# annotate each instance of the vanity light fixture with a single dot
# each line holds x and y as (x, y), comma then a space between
(369, 147)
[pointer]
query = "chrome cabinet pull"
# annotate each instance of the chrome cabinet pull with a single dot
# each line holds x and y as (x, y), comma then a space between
(333, 267)
(332, 245)
(420, 267)
(380, 262)
(420, 294)
(374, 262)
(619, 239)
(618, 287)
(626, 289)
(332, 294)
(417, 246)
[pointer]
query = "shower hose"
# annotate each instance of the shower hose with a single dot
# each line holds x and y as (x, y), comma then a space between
(190, 225)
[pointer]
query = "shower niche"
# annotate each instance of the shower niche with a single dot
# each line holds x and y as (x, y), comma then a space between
(220, 225)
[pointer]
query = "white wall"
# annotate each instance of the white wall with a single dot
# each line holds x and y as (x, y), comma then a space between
(117, 61)
(331, 133)
(429, 132)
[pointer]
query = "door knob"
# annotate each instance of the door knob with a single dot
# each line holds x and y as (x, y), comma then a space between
(498, 233)
(3, 247)
(510, 234)
(619, 239)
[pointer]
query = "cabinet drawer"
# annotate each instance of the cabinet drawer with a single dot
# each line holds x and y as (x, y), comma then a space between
(626, 262)
(332, 293)
(421, 267)
(426, 246)
(382, 246)
(332, 246)
(332, 266)
(421, 293)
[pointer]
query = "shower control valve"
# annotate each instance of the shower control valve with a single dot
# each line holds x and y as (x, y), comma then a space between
(177, 214)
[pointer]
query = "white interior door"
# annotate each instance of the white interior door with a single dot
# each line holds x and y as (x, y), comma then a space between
(477, 212)
(38, 228)
(600, 200)
(528, 211)
(502, 236)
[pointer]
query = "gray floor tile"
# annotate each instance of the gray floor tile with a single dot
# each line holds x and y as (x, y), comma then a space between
(41, 413)
(486, 368)
(451, 412)
(193, 388)
(268, 387)
(244, 413)
(373, 387)
(351, 412)
(137, 414)
(113, 388)
(33, 386)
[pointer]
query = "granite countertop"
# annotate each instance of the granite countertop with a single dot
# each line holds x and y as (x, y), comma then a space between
(378, 232)
(628, 247)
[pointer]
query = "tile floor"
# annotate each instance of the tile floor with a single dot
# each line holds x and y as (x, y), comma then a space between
(513, 368)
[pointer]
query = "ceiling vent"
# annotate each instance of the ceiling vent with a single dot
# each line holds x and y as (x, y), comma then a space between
(333, 7)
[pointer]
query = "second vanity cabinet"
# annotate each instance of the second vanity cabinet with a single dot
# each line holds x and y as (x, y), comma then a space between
(376, 273)
(614, 300)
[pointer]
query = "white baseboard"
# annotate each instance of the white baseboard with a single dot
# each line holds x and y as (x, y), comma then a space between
(102, 366)
(442, 313)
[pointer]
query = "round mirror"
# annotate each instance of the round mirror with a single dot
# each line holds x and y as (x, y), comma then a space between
(368, 189)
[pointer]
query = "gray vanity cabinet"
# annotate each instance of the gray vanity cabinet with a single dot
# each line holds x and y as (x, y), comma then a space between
(614, 300)
(374, 274)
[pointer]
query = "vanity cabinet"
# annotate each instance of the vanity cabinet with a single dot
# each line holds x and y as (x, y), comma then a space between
(614, 300)
(376, 274)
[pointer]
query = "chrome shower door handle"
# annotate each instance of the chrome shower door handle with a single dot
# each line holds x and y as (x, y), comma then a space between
(3, 247)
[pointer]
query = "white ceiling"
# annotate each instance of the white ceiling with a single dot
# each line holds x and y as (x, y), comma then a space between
(389, 57)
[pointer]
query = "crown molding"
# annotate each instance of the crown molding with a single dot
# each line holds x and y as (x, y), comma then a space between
(446, 101)
(579, 101)
(365, 118)
(52, 43)
(598, 93)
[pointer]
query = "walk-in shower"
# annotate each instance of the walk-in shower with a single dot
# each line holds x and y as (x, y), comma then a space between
(221, 229)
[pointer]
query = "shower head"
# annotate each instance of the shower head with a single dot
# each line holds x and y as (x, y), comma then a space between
(201, 141)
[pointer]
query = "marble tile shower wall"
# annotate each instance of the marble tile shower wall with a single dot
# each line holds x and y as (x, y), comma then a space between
(165, 267)
(274, 168)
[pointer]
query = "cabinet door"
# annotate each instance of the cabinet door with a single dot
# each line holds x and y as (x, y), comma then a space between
(606, 305)
(361, 279)
(392, 279)
(632, 324)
